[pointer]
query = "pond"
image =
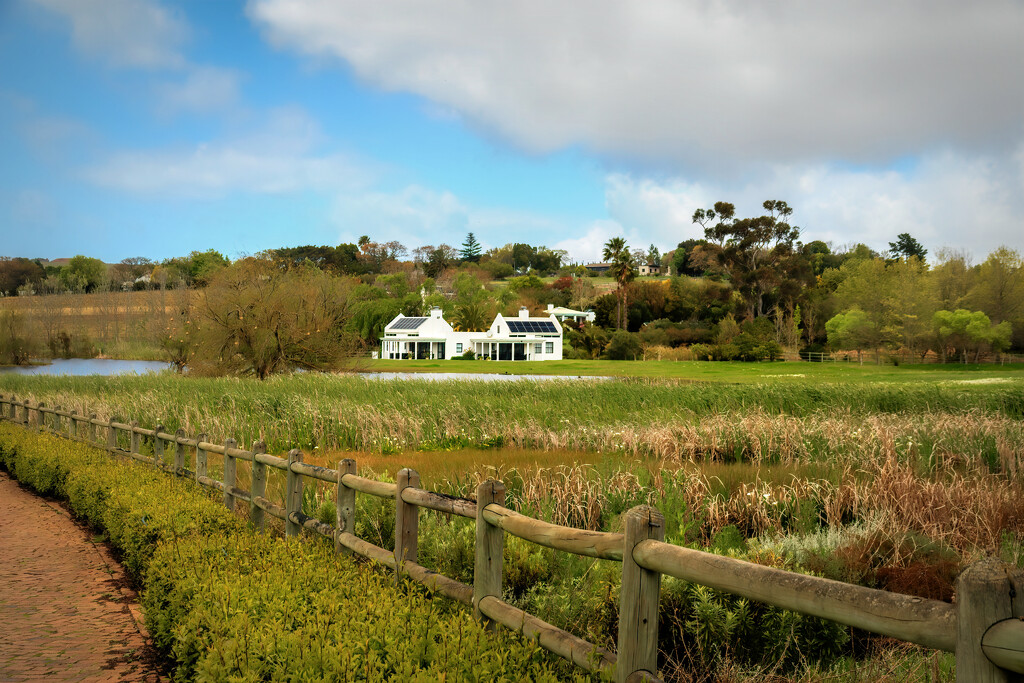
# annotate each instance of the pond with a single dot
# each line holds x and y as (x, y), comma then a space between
(89, 366)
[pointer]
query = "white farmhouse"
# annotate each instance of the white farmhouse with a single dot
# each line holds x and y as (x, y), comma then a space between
(519, 338)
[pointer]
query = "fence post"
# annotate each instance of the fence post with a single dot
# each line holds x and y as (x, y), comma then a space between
(490, 547)
(38, 421)
(158, 447)
(407, 519)
(73, 424)
(638, 598)
(293, 494)
(56, 426)
(259, 485)
(136, 439)
(28, 409)
(985, 594)
(200, 457)
(92, 429)
(111, 434)
(344, 505)
(229, 474)
(179, 451)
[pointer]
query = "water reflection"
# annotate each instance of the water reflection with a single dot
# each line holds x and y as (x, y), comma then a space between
(89, 366)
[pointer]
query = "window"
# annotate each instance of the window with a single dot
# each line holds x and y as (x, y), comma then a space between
(536, 347)
(549, 347)
(458, 348)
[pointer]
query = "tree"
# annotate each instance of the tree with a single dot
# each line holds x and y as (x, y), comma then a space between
(906, 246)
(622, 268)
(256, 319)
(439, 260)
(18, 272)
(999, 285)
(471, 249)
(961, 332)
(758, 252)
(852, 330)
(174, 327)
(654, 256)
(84, 273)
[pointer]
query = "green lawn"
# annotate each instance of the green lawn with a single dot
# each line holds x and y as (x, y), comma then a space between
(733, 372)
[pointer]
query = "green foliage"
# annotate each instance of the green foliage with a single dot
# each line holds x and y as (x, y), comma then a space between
(851, 330)
(623, 346)
(16, 344)
(83, 274)
(227, 604)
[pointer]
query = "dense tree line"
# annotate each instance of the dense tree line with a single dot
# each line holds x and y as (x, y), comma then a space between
(748, 289)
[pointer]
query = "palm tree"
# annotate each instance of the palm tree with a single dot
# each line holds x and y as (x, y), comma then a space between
(622, 268)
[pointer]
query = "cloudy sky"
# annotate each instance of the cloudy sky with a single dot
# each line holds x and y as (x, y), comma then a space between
(146, 128)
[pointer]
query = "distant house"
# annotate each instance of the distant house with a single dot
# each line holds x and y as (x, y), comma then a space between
(645, 269)
(598, 268)
(432, 337)
(562, 314)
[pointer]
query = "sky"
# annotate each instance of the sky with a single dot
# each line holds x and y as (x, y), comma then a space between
(148, 128)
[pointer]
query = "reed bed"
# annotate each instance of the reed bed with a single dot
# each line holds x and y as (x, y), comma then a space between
(636, 418)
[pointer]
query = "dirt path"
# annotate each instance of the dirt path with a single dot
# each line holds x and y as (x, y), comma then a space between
(66, 613)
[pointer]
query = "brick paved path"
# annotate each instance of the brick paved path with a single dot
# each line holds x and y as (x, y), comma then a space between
(65, 611)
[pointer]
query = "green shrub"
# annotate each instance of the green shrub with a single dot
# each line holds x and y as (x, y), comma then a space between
(227, 604)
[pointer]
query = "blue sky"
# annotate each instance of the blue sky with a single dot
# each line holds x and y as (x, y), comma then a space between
(146, 128)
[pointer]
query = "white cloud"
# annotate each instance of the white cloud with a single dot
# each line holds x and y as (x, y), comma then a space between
(279, 157)
(133, 33)
(947, 199)
(202, 89)
(416, 216)
(694, 83)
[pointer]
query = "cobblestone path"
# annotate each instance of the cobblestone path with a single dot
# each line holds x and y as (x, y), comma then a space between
(66, 613)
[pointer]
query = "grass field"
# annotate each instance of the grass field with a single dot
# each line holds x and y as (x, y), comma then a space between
(795, 372)
(891, 477)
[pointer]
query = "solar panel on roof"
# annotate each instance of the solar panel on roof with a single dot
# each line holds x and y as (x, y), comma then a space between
(531, 326)
(407, 323)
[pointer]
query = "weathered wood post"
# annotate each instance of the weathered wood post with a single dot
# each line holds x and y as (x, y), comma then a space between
(987, 592)
(111, 434)
(56, 426)
(158, 446)
(135, 442)
(293, 494)
(638, 599)
(200, 457)
(38, 421)
(28, 409)
(73, 425)
(344, 505)
(92, 428)
(407, 519)
(179, 451)
(489, 550)
(230, 473)
(259, 484)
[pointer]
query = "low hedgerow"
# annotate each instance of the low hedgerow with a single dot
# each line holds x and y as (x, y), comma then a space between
(225, 603)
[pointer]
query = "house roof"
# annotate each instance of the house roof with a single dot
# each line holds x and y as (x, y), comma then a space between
(561, 310)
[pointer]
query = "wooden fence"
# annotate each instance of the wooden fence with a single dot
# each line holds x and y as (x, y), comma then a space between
(985, 628)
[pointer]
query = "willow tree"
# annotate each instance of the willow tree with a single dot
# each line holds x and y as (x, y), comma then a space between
(257, 319)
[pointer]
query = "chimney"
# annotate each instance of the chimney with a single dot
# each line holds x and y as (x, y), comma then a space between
(435, 312)
(524, 312)
(551, 307)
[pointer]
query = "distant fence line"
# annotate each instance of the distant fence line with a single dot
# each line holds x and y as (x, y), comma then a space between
(902, 357)
(985, 629)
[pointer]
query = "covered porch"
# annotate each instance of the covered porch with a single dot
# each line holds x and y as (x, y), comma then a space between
(502, 350)
(418, 349)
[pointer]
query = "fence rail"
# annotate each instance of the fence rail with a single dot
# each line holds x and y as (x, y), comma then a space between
(985, 629)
